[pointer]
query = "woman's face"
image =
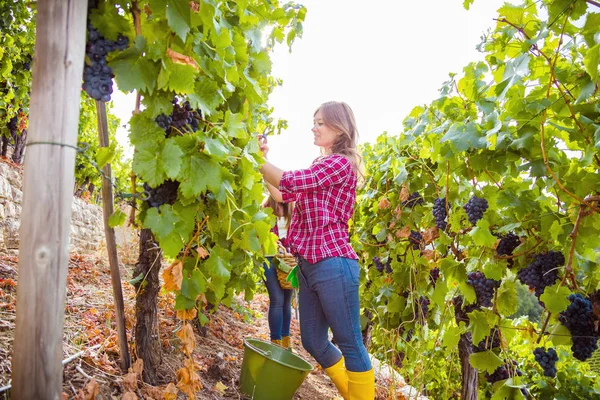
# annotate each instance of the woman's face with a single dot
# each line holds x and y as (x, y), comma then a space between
(324, 135)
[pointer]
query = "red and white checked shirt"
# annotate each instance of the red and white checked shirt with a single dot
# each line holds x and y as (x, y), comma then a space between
(325, 195)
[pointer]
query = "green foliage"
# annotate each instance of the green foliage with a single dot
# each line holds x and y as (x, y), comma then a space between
(529, 306)
(518, 129)
(87, 164)
(215, 55)
(17, 39)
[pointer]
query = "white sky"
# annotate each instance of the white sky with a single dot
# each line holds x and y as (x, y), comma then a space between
(382, 59)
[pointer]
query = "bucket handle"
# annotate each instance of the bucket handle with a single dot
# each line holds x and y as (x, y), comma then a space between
(266, 354)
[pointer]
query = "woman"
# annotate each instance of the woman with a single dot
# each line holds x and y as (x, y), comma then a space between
(280, 300)
(328, 276)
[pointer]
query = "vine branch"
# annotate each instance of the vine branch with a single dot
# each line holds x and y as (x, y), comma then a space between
(592, 2)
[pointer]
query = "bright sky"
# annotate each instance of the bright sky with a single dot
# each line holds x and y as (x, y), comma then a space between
(382, 59)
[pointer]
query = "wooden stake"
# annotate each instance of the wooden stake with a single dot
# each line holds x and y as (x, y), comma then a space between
(47, 199)
(111, 243)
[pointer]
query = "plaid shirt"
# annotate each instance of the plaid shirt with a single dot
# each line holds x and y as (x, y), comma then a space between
(325, 195)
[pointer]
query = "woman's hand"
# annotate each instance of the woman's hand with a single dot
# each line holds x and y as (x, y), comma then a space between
(264, 147)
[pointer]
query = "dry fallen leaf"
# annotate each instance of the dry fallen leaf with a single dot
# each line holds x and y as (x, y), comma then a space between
(220, 388)
(195, 7)
(170, 392)
(431, 234)
(404, 194)
(188, 380)
(202, 252)
(398, 211)
(129, 396)
(182, 59)
(130, 381)
(384, 203)
(185, 315)
(186, 334)
(173, 276)
(403, 233)
(138, 366)
(91, 390)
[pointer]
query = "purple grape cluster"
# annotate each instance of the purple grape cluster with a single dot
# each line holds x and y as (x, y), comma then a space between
(414, 199)
(490, 342)
(484, 287)
(416, 239)
(547, 360)
(97, 76)
(507, 245)
(380, 266)
(542, 271)
(13, 124)
(439, 213)
(423, 310)
(475, 208)
(434, 275)
(182, 117)
(579, 319)
(461, 311)
(503, 372)
(165, 193)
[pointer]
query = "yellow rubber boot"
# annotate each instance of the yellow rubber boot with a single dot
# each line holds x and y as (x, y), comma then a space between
(285, 342)
(277, 342)
(337, 373)
(361, 385)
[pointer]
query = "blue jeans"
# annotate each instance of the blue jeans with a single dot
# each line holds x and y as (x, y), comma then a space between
(280, 303)
(329, 299)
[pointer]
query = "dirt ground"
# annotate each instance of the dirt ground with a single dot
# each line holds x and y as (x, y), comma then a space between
(90, 334)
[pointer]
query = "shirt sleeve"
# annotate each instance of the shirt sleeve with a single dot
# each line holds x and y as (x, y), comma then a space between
(324, 172)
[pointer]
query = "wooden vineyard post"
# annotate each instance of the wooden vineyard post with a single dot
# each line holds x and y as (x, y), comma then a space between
(47, 199)
(111, 243)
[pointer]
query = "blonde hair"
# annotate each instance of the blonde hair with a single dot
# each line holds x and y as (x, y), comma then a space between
(288, 208)
(339, 116)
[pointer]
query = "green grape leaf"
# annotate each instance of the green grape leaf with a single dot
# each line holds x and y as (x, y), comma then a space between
(199, 172)
(464, 137)
(183, 303)
(104, 155)
(218, 263)
(451, 337)
(591, 60)
(132, 70)
(481, 234)
(178, 17)
(181, 77)
(478, 325)
(555, 298)
(560, 335)
(485, 361)
(206, 95)
(506, 300)
(144, 130)
(163, 223)
(171, 158)
(234, 125)
(117, 219)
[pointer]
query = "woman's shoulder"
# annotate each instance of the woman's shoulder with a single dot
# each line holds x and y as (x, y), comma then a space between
(338, 159)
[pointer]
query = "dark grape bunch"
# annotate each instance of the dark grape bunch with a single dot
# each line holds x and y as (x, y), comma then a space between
(434, 275)
(439, 212)
(97, 76)
(507, 245)
(183, 116)
(13, 124)
(542, 271)
(414, 199)
(547, 360)
(461, 310)
(423, 310)
(488, 343)
(416, 239)
(579, 319)
(504, 372)
(166, 193)
(475, 208)
(380, 267)
(484, 288)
